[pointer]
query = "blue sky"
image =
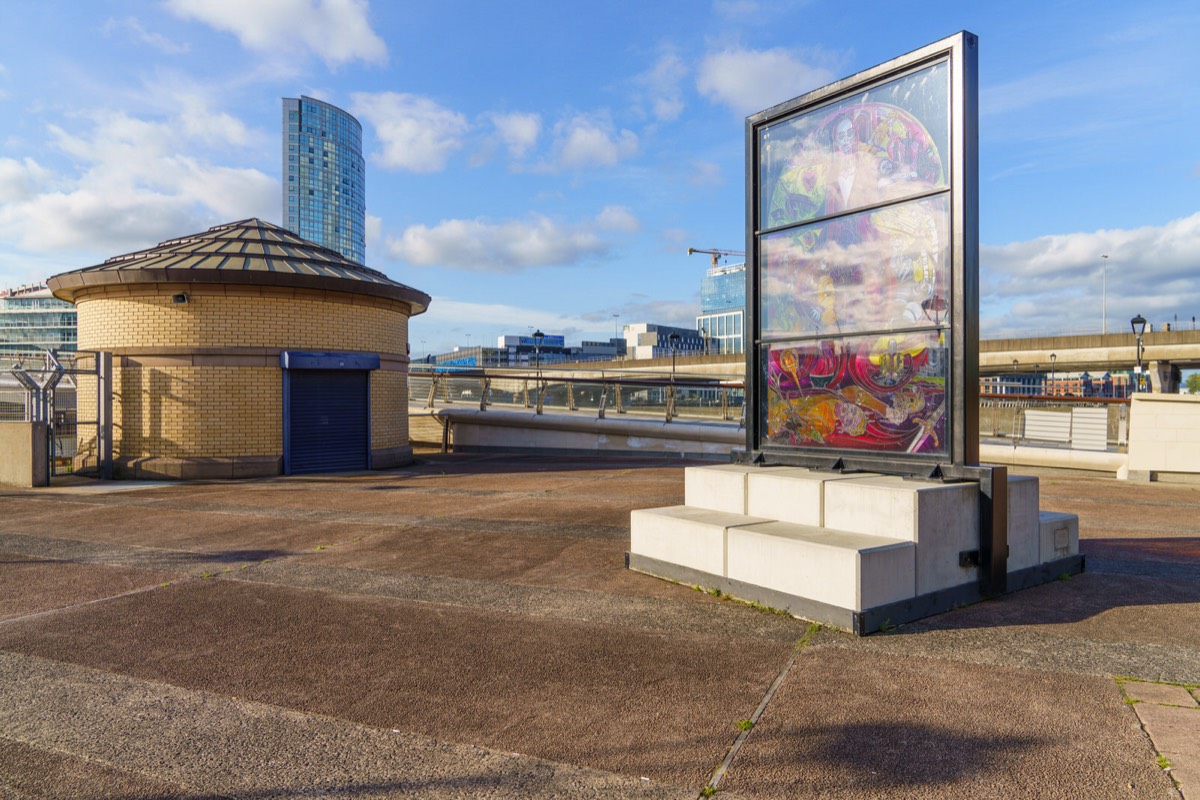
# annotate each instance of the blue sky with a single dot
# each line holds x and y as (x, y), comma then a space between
(547, 164)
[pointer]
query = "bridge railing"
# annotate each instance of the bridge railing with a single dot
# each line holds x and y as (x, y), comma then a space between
(654, 394)
(1082, 422)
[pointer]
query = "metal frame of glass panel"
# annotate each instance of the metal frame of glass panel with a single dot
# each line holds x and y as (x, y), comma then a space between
(862, 269)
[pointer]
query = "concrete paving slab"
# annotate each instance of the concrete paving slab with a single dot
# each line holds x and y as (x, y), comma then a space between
(111, 732)
(31, 772)
(1175, 731)
(606, 697)
(1093, 606)
(31, 585)
(518, 633)
(1163, 694)
(539, 559)
(909, 727)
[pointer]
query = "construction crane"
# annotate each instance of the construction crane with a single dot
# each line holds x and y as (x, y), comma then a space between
(716, 254)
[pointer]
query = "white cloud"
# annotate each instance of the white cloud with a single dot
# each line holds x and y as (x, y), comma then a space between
(591, 140)
(1055, 284)
(618, 219)
(20, 180)
(752, 80)
(143, 36)
(706, 174)
(336, 31)
(417, 134)
(505, 247)
(519, 132)
(661, 85)
(447, 313)
(132, 189)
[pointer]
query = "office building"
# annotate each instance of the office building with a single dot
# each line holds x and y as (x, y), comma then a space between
(522, 352)
(722, 317)
(650, 340)
(324, 178)
(33, 321)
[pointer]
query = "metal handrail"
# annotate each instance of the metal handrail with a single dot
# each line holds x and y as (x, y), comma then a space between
(628, 392)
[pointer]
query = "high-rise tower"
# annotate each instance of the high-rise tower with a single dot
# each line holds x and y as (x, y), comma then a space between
(324, 184)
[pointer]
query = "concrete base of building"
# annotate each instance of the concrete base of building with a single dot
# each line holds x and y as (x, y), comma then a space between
(389, 457)
(190, 469)
(858, 552)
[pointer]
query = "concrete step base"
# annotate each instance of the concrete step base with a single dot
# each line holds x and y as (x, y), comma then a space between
(847, 545)
(837, 568)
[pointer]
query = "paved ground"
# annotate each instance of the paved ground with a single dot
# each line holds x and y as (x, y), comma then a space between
(466, 628)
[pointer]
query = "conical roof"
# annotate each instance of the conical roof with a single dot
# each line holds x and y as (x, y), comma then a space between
(249, 252)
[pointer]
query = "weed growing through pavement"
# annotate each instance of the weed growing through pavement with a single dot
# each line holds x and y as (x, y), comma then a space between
(745, 724)
(708, 791)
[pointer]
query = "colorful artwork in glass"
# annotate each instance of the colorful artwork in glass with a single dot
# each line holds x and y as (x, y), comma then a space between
(879, 393)
(880, 270)
(854, 265)
(878, 146)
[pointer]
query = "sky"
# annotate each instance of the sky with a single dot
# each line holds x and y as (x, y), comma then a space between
(548, 164)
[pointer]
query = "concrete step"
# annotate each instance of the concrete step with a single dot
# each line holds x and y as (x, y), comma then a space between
(842, 569)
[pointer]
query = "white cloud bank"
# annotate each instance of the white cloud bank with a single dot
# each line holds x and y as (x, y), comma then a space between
(336, 31)
(752, 80)
(1056, 284)
(416, 133)
(132, 188)
(482, 246)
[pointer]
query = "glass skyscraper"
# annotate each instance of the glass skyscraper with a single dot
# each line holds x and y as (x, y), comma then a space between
(324, 184)
(722, 317)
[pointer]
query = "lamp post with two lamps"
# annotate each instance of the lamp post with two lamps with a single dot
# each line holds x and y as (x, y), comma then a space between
(1138, 324)
(538, 338)
(674, 339)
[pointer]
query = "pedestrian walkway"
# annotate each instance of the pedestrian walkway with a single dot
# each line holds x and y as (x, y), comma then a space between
(466, 628)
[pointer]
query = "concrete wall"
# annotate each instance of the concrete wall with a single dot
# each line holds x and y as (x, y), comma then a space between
(1164, 436)
(24, 460)
(472, 430)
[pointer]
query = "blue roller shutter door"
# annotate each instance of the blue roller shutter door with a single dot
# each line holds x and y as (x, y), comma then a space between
(327, 420)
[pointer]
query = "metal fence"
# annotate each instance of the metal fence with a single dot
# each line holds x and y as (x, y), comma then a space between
(48, 388)
(652, 394)
(1029, 419)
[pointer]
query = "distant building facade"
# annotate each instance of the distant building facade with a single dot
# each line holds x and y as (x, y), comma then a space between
(324, 177)
(650, 340)
(523, 353)
(722, 320)
(32, 321)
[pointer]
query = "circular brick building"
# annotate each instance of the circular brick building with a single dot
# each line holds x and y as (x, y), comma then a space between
(246, 351)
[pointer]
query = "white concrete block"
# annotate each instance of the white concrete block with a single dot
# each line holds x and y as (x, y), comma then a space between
(1059, 535)
(683, 535)
(942, 518)
(845, 570)
(718, 487)
(789, 494)
(1024, 531)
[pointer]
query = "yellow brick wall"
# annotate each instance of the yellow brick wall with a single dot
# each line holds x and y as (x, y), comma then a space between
(289, 323)
(181, 410)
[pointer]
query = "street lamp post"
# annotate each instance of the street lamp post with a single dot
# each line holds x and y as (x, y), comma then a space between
(1015, 386)
(538, 338)
(1053, 385)
(1138, 324)
(674, 339)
